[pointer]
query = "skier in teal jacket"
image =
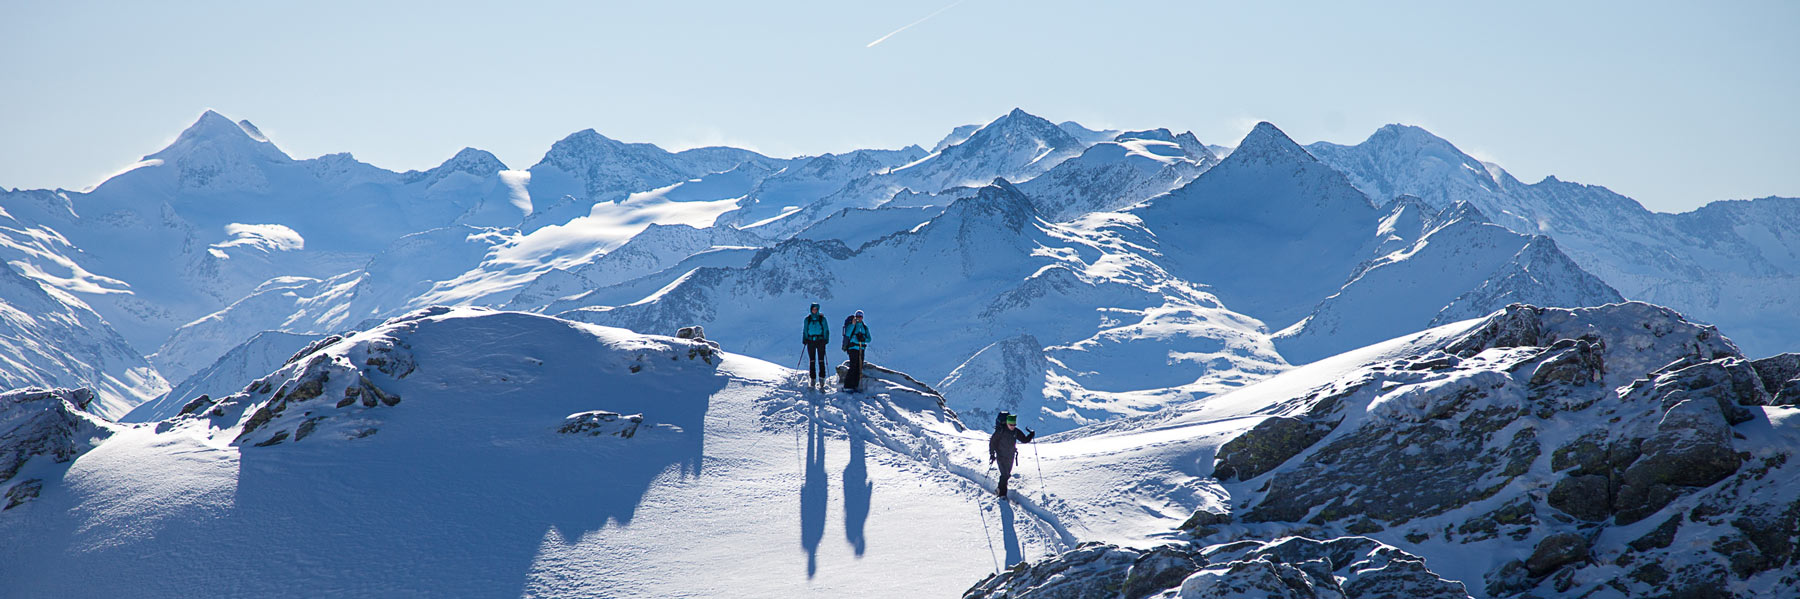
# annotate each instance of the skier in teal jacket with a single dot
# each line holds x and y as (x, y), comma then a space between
(856, 341)
(814, 334)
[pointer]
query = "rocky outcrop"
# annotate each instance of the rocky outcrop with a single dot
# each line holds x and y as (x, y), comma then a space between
(602, 423)
(1780, 376)
(1539, 432)
(294, 403)
(1293, 567)
(704, 349)
(52, 424)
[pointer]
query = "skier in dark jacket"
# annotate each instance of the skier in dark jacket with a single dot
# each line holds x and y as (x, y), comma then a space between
(856, 341)
(814, 334)
(1003, 446)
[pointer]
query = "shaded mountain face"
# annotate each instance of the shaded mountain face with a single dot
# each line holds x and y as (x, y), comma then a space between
(1729, 263)
(1270, 229)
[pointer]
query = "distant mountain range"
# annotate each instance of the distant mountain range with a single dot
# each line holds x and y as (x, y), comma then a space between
(1145, 267)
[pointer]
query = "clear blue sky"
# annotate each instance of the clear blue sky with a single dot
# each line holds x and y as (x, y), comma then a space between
(1675, 104)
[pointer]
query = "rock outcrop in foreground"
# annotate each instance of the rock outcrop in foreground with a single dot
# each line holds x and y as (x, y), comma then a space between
(1618, 451)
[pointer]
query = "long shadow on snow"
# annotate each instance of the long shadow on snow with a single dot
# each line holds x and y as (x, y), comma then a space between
(814, 493)
(858, 492)
(1014, 554)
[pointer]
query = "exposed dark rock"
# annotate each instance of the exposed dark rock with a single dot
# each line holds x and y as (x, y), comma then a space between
(1584, 496)
(315, 346)
(306, 428)
(277, 438)
(1579, 363)
(598, 423)
(1090, 570)
(1203, 521)
(1265, 446)
(1780, 375)
(23, 492)
(1160, 568)
(196, 406)
(1556, 551)
(1291, 567)
(46, 422)
(1508, 579)
(1690, 448)
(1659, 537)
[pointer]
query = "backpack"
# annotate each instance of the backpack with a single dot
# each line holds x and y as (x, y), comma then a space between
(846, 329)
(1000, 420)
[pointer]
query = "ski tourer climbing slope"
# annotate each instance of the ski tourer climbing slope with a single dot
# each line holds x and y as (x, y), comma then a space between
(1003, 446)
(856, 341)
(814, 334)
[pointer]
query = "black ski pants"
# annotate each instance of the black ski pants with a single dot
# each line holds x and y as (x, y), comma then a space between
(815, 359)
(853, 380)
(1006, 466)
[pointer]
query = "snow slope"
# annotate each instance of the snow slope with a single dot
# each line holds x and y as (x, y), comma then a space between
(1460, 267)
(49, 338)
(1113, 175)
(471, 452)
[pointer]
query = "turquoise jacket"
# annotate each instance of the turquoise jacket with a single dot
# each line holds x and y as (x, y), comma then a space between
(857, 336)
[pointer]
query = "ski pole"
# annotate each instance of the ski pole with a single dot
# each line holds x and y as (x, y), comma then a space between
(1043, 489)
(982, 513)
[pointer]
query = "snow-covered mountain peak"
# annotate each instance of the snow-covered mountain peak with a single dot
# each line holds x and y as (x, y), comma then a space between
(471, 161)
(1460, 212)
(591, 165)
(214, 132)
(1267, 144)
(1015, 132)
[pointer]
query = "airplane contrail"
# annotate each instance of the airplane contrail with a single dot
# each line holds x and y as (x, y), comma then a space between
(909, 25)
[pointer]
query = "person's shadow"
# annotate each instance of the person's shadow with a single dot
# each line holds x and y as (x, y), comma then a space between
(858, 490)
(1014, 554)
(814, 493)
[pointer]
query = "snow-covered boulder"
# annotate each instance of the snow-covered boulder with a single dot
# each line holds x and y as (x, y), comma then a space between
(39, 429)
